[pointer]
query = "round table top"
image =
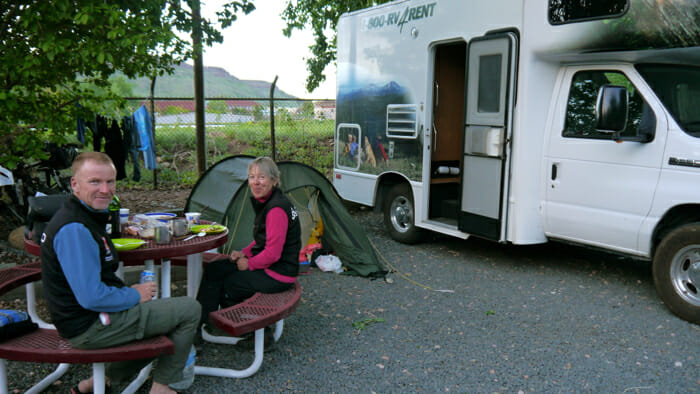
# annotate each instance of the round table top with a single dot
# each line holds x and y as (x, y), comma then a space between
(153, 251)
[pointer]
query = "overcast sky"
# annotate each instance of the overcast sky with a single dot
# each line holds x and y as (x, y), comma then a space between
(255, 48)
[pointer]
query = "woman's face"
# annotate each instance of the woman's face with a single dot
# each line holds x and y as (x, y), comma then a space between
(259, 182)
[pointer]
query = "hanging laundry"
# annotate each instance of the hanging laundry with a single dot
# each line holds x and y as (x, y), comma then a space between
(99, 130)
(80, 127)
(143, 123)
(132, 142)
(114, 147)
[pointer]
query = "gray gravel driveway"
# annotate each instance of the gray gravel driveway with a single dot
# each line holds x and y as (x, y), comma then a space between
(471, 316)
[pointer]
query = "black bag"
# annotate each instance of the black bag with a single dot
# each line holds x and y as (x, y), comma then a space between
(41, 210)
(14, 324)
(60, 157)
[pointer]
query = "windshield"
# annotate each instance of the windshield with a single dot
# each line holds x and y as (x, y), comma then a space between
(678, 87)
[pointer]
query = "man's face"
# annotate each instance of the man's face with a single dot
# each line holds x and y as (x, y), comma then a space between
(95, 184)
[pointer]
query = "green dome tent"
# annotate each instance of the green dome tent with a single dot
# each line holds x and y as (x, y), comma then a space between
(223, 196)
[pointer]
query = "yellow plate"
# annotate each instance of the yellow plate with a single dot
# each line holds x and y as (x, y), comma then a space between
(127, 243)
(208, 228)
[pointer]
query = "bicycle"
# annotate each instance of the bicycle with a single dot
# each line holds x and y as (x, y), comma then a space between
(42, 177)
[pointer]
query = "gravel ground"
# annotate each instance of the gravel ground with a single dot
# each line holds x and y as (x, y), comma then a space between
(465, 316)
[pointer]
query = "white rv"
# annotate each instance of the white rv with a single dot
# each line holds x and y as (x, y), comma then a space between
(522, 121)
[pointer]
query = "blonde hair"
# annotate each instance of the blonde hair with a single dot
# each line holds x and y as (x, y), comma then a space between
(97, 157)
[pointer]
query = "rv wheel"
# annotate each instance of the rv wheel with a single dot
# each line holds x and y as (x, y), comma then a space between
(399, 215)
(677, 271)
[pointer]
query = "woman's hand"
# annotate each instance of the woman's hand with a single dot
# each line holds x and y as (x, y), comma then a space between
(242, 263)
(235, 255)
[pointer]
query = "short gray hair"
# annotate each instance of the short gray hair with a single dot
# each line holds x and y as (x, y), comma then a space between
(268, 166)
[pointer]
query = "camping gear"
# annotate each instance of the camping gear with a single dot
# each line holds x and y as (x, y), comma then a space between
(222, 195)
(15, 323)
(213, 191)
(41, 209)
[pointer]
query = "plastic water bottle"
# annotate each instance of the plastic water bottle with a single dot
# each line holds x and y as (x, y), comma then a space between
(149, 276)
(187, 373)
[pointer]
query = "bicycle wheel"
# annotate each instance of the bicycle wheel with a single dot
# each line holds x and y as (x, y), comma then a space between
(12, 204)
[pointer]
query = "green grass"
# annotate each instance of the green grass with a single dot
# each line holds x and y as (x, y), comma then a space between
(306, 141)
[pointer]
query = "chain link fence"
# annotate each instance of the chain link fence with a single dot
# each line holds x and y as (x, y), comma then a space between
(302, 131)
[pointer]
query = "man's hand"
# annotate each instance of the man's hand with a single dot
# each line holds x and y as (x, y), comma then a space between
(146, 290)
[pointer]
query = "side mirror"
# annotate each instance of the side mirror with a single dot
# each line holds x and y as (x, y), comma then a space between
(611, 109)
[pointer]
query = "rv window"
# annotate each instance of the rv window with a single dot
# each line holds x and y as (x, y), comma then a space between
(568, 11)
(580, 110)
(489, 83)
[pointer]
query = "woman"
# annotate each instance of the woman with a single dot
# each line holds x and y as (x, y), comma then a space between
(270, 263)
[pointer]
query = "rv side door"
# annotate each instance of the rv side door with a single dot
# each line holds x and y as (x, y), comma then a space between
(490, 80)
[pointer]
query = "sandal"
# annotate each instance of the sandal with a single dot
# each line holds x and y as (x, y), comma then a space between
(76, 390)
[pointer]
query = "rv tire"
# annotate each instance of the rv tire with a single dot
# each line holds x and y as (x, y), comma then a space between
(676, 271)
(399, 215)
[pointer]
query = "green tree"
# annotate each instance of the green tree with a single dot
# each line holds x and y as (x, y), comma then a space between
(217, 107)
(63, 53)
(307, 110)
(240, 111)
(258, 113)
(322, 17)
(282, 115)
(121, 86)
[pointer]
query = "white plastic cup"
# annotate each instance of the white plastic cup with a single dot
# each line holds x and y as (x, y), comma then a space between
(192, 218)
(123, 215)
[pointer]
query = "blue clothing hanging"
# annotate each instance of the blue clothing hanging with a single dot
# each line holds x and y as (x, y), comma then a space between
(143, 123)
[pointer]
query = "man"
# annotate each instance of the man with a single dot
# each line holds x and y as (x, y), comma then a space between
(89, 305)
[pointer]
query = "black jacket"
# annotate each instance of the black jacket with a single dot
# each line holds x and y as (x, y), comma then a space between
(288, 263)
(67, 315)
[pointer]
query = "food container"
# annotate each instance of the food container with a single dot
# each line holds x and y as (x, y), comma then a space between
(192, 217)
(161, 217)
(123, 215)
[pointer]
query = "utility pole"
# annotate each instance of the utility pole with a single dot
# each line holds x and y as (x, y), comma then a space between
(199, 87)
(272, 118)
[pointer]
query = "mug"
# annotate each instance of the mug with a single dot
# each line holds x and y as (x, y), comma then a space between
(162, 234)
(179, 227)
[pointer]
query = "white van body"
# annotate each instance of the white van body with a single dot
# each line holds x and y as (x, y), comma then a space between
(517, 122)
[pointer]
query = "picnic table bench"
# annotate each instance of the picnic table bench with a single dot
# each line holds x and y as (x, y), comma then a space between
(44, 345)
(252, 315)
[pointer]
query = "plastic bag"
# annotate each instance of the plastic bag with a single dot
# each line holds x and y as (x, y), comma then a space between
(329, 263)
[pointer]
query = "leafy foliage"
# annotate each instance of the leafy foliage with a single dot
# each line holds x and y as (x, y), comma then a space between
(310, 144)
(322, 17)
(64, 51)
